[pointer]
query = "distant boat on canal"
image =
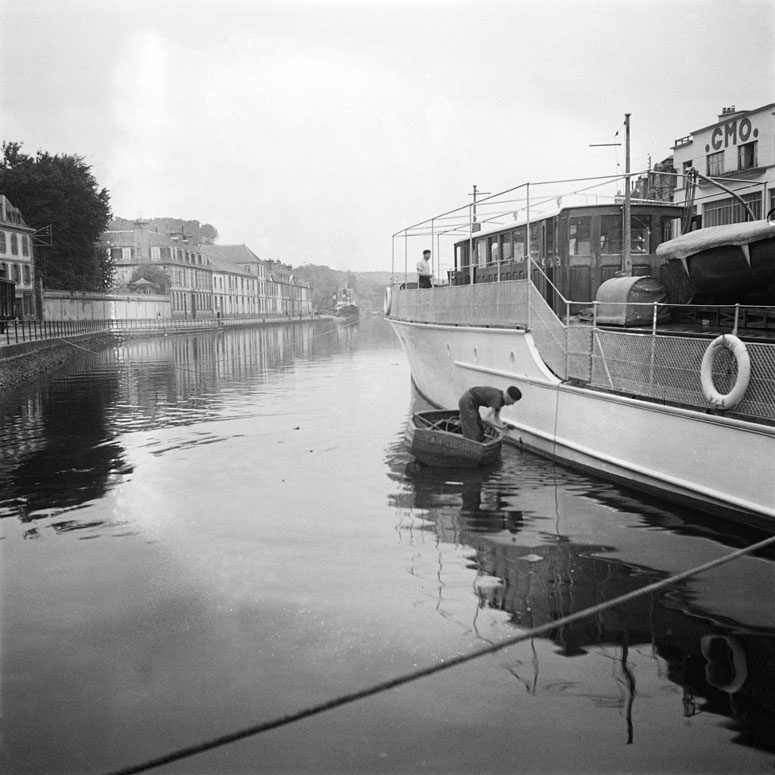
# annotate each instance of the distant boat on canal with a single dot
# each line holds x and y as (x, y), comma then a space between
(345, 307)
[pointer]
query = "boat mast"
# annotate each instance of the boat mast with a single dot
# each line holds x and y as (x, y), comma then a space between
(626, 231)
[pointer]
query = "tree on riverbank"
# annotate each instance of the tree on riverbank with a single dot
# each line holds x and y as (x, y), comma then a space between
(154, 274)
(60, 191)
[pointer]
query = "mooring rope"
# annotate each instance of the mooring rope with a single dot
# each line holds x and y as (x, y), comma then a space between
(73, 344)
(446, 664)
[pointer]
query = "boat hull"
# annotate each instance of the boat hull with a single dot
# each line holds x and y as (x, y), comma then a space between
(722, 464)
(434, 446)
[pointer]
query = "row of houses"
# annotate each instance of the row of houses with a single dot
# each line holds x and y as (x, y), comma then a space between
(206, 280)
(198, 280)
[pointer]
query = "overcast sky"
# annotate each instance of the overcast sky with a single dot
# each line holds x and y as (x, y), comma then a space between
(312, 130)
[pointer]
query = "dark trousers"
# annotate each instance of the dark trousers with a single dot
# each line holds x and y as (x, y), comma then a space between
(425, 282)
(471, 422)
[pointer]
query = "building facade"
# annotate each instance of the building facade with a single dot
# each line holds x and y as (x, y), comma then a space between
(17, 263)
(236, 285)
(737, 150)
(189, 275)
(286, 293)
(208, 280)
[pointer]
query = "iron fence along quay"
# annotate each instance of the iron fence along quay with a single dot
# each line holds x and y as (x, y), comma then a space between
(19, 331)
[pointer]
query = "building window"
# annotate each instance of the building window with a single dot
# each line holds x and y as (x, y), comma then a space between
(747, 156)
(155, 252)
(715, 163)
(2, 242)
(3, 269)
(14, 245)
(25, 245)
(126, 254)
(730, 210)
(686, 166)
(16, 273)
(27, 274)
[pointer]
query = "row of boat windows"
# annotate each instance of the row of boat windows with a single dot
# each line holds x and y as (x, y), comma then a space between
(581, 231)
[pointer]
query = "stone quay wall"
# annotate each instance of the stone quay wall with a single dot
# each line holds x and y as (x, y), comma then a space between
(20, 363)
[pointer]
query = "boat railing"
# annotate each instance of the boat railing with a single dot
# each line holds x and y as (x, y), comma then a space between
(518, 205)
(659, 361)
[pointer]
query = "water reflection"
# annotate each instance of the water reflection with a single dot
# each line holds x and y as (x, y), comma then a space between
(543, 553)
(61, 441)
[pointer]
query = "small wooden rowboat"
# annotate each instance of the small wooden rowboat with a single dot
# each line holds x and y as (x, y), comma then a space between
(436, 438)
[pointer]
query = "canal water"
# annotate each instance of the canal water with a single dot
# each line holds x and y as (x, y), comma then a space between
(201, 534)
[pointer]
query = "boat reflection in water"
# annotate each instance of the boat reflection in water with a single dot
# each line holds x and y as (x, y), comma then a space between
(538, 555)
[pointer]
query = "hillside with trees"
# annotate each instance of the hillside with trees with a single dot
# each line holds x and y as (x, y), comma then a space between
(198, 233)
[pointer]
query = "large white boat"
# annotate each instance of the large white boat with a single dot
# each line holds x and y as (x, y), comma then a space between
(644, 358)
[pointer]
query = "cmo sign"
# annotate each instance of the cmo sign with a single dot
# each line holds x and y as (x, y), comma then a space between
(731, 132)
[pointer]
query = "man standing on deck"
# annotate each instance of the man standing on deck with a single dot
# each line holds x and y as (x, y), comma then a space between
(494, 399)
(424, 272)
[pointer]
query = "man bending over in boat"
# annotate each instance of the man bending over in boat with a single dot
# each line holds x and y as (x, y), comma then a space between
(490, 397)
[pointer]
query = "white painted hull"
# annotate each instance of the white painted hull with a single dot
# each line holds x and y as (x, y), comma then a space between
(724, 465)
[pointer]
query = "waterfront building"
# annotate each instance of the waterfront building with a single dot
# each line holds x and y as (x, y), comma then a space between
(205, 280)
(277, 280)
(237, 274)
(189, 273)
(17, 262)
(301, 296)
(286, 293)
(738, 149)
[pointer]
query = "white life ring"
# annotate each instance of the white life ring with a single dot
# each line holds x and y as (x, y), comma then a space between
(738, 349)
(388, 302)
